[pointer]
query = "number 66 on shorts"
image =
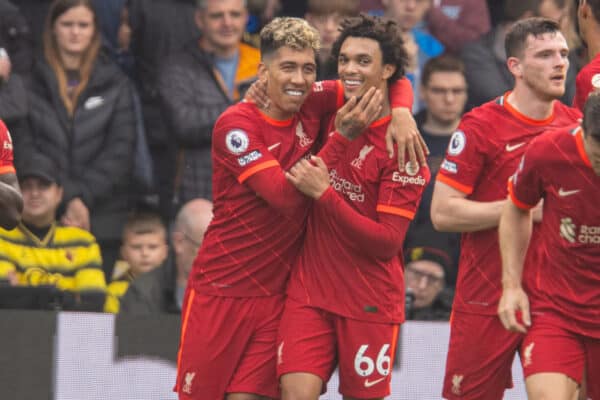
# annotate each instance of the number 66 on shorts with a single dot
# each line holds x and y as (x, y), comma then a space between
(314, 341)
(364, 365)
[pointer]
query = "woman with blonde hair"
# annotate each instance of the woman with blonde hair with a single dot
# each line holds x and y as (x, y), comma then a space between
(81, 113)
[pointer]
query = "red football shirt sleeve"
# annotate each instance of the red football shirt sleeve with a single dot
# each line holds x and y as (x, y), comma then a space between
(400, 192)
(401, 94)
(381, 239)
(6, 151)
(583, 88)
(272, 186)
(465, 156)
(239, 147)
(525, 187)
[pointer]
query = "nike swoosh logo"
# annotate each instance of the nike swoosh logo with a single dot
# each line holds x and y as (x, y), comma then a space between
(513, 147)
(372, 383)
(274, 146)
(565, 193)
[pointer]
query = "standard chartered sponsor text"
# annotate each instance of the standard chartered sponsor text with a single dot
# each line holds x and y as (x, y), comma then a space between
(344, 186)
(589, 234)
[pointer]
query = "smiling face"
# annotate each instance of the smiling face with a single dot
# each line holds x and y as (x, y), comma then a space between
(74, 30)
(360, 66)
(40, 200)
(542, 68)
(289, 74)
(222, 23)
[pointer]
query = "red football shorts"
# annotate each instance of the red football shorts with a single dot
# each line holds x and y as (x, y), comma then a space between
(228, 345)
(549, 347)
(480, 357)
(312, 340)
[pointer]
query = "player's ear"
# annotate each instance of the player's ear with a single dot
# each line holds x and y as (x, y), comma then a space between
(388, 70)
(262, 71)
(514, 66)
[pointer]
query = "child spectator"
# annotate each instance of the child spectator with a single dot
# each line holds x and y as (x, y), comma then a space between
(143, 249)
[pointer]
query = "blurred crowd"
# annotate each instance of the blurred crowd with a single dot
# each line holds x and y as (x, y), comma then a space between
(111, 105)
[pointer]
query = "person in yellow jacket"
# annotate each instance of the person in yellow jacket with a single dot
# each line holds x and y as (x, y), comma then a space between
(39, 251)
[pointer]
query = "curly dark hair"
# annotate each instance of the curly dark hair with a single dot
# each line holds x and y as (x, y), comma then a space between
(385, 32)
(591, 112)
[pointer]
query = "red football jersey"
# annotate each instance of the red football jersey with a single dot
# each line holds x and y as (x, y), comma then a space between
(335, 271)
(6, 152)
(483, 153)
(249, 247)
(583, 82)
(557, 169)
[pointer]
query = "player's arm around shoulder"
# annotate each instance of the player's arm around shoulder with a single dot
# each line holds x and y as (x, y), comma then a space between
(403, 130)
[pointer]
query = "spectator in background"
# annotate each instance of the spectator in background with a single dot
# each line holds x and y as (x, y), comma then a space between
(16, 56)
(15, 37)
(162, 289)
(444, 93)
(485, 59)
(113, 18)
(420, 45)
(456, 22)
(158, 29)
(41, 252)
(144, 249)
(262, 12)
(426, 275)
(199, 83)
(565, 13)
(81, 112)
(326, 16)
(11, 202)
(34, 12)
(588, 79)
